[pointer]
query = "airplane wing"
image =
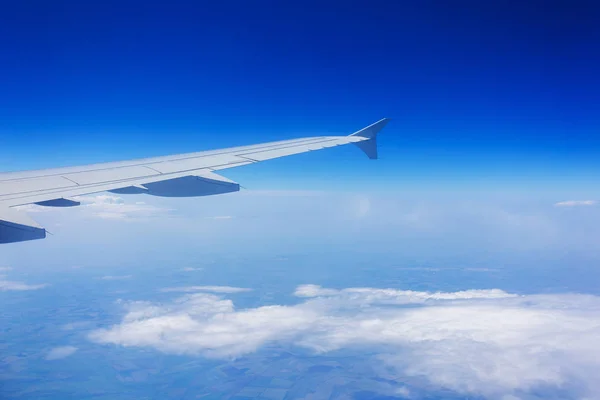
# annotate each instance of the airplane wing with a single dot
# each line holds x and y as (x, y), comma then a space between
(180, 175)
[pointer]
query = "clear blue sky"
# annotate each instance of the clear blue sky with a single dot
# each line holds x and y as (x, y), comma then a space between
(479, 91)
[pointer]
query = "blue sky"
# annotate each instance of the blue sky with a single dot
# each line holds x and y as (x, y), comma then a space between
(482, 94)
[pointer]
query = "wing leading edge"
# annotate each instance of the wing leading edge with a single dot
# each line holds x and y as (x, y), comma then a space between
(182, 175)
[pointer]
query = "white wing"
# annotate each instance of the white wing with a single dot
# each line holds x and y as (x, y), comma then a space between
(172, 176)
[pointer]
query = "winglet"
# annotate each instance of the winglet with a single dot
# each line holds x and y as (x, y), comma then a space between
(369, 146)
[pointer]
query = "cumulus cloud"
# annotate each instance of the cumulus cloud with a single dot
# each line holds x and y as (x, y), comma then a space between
(6, 285)
(60, 352)
(574, 203)
(213, 289)
(483, 342)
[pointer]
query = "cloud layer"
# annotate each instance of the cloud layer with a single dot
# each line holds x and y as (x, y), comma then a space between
(485, 342)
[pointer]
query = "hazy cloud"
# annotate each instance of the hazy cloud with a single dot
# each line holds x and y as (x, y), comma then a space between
(60, 352)
(79, 325)
(213, 289)
(284, 193)
(483, 342)
(573, 203)
(6, 285)
(115, 277)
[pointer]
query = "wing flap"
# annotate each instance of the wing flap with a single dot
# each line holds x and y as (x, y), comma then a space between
(204, 183)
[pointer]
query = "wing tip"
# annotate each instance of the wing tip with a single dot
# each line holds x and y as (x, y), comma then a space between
(369, 133)
(372, 130)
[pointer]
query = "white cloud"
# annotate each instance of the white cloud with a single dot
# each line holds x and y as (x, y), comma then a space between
(314, 291)
(6, 285)
(3, 269)
(99, 199)
(108, 206)
(191, 269)
(105, 206)
(60, 352)
(482, 342)
(573, 203)
(212, 289)
(372, 295)
(115, 277)
(220, 217)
